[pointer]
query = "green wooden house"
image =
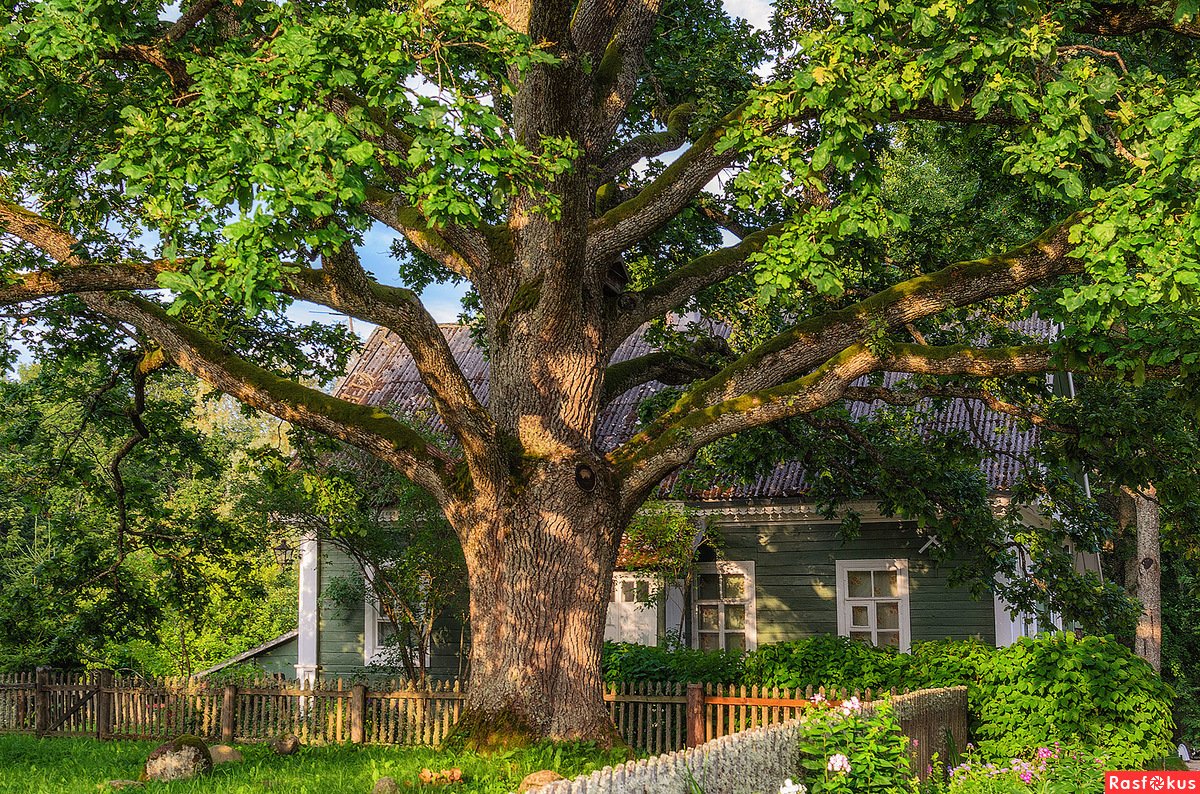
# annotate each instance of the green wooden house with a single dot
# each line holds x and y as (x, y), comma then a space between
(784, 572)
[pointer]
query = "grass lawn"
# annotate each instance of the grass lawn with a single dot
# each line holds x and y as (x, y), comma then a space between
(75, 766)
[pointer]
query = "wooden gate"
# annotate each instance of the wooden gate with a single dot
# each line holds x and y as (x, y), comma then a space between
(68, 704)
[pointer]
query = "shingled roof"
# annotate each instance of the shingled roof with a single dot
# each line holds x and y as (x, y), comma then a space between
(383, 374)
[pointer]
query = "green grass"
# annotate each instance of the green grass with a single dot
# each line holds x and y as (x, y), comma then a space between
(74, 766)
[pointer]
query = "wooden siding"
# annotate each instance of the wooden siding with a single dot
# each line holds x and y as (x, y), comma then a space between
(796, 584)
(280, 660)
(340, 646)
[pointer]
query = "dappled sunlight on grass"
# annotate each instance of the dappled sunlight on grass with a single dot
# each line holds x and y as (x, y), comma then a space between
(70, 766)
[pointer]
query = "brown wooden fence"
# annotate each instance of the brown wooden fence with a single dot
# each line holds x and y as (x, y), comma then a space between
(652, 718)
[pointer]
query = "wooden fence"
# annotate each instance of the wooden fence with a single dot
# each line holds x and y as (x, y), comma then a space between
(652, 718)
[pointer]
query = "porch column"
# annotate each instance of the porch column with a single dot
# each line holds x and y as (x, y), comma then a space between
(309, 624)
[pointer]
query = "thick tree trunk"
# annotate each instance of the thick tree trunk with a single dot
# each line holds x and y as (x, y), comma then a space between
(1148, 641)
(540, 577)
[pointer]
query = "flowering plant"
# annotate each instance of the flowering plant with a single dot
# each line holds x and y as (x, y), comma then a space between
(846, 748)
(1046, 770)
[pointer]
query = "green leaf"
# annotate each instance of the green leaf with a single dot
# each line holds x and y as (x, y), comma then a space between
(361, 153)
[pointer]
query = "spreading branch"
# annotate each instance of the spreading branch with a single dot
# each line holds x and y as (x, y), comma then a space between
(651, 144)
(342, 285)
(681, 182)
(796, 351)
(672, 369)
(675, 437)
(910, 397)
(366, 427)
(674, 289)
(462, 251)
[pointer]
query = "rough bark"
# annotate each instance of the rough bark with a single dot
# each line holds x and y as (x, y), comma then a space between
(540, 574)
(1148, 640)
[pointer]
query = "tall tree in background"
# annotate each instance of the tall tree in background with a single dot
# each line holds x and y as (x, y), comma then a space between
(503, 143)
(122, 543)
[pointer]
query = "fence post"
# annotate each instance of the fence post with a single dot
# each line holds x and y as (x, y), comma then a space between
(104, 698)
(41, 701)
(695, 715)
(228, 714)
(358, 711)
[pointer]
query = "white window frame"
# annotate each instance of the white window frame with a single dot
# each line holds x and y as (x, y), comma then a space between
(648, 608)
(844, 602)
(744, 567)
(371, 620)
(372, 617)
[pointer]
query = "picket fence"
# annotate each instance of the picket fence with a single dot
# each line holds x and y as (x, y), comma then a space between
(654, 718)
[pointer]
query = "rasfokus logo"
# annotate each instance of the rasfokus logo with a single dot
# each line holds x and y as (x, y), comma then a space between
(1151, 781)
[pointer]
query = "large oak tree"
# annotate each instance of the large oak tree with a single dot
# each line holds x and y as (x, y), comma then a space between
(181, 177)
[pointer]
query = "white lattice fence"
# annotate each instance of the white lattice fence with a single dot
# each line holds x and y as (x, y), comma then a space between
(757, 760)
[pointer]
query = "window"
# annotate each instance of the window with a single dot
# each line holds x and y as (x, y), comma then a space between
(632, 610)
(377, 634)
(873, 602)
(723, 607)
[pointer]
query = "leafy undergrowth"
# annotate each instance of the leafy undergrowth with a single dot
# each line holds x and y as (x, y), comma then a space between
(76, 766)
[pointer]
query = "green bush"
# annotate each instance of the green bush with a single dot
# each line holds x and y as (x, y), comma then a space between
(1092, 692)
(635, 663)
(825, 661)
(844, 750)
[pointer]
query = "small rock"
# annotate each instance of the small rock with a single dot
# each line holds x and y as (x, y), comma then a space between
(117, 785)
(538, 779)
(224, 754)
(181, 758)
(385, 785)
(286, 745)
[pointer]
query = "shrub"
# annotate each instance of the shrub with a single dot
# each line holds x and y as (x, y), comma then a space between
(633, 663)
(825, 661)
(848, 750)
(1049, 769)
(1091, 692)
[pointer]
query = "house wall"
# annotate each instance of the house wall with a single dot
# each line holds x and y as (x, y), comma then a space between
(795, 579)
(280, 660)
(340, 644)
(795, 591)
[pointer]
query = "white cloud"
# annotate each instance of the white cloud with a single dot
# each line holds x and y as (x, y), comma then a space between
(756, 12)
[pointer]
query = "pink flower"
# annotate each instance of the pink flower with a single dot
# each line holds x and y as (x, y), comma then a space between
(1045, 752)
(838, 763)
(851, 706)
(818, 698)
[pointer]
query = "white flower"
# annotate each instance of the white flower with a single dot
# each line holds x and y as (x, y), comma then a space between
(789, 787)
(838, 763)
(851, 706)
(818, 698)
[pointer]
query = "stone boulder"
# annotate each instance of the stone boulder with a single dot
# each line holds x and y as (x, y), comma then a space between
(537, 780)
(286, 745)
(224, 754)
(182, 758)
(386, 785)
